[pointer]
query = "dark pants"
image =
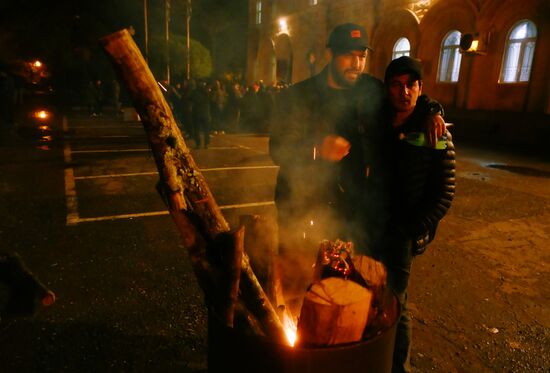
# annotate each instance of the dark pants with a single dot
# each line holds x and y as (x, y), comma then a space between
(396, 254)
(201, 126)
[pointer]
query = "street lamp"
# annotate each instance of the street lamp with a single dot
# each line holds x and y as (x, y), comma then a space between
(188, 21)
(167, 17)
(146, 24)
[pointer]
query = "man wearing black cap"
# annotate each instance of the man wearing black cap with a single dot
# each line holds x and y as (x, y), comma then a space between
(419, 184)
(316, 141)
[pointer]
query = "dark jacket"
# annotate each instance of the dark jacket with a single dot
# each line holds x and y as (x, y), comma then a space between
(305, 114)
(420, 181)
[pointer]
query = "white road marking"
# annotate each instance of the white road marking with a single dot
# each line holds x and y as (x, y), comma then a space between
(73, 217)
(222, 147)
(245, 205)
(110, 151)
(236, 168)
(105, 127)
(116, 175)
(214, 169)
(123, 216)
(161, 213)
(146, 150)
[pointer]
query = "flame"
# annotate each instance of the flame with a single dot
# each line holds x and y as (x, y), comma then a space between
(290, 328)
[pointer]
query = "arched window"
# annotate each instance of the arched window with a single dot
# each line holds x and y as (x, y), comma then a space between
(402, 47)
(518, 53)
(449, 61)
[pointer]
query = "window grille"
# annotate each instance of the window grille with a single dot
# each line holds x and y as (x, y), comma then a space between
(401, 48)
(449, 60)
(518, 53)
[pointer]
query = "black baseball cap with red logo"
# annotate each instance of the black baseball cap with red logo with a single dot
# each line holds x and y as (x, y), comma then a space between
(348, 37)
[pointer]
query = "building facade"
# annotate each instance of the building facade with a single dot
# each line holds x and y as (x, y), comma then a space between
(507, 67)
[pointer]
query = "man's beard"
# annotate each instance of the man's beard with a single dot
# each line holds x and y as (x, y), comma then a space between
(340, 79)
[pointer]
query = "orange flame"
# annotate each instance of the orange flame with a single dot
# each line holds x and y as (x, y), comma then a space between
(290, 328)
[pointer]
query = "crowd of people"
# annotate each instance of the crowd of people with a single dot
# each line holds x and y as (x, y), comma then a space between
(204, 108)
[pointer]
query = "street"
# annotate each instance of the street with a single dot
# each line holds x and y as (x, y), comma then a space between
(83, 212)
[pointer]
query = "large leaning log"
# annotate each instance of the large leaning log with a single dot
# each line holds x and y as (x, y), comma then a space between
(190, 201)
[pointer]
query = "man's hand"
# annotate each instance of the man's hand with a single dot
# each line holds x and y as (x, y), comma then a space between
(434, 127)
(334, 148)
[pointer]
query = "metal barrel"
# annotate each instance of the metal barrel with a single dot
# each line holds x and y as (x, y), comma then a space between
(231, 351)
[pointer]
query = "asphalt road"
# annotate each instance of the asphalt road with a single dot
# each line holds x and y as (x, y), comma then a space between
(82, 210)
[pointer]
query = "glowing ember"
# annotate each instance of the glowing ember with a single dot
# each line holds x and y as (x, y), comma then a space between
(289, 325)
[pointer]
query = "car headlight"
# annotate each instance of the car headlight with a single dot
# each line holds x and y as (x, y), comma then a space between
(42, 114)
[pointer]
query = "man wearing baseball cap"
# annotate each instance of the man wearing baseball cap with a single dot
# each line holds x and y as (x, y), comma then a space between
(418, 183)
(316, 138)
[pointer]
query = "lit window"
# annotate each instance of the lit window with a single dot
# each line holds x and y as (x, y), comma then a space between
(518, 53)
(449, 61)
(258, 12)
(312, 2)
(401, 48)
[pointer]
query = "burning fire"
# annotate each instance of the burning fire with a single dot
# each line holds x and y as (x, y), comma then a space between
(290, 327)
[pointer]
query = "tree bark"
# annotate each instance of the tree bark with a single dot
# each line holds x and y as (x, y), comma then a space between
(189, 199)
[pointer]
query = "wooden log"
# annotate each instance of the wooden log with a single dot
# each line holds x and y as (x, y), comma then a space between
(372, 271)
(261, 247)
(191, 204)
(257, 301)
(334, 311)
(231, 258)
(274, 287)
(177, 169)
(245, 321)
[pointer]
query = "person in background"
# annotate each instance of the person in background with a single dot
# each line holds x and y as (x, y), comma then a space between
(218, 100)
(234, 102)
(98, 98)
(418, 181)
(187, 108)
(201, 114)
(115, 91)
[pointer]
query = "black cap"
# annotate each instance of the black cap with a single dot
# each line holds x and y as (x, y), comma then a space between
(404, 65)
(348, 37)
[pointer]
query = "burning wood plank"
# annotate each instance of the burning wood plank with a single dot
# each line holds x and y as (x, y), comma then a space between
(191, 204)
